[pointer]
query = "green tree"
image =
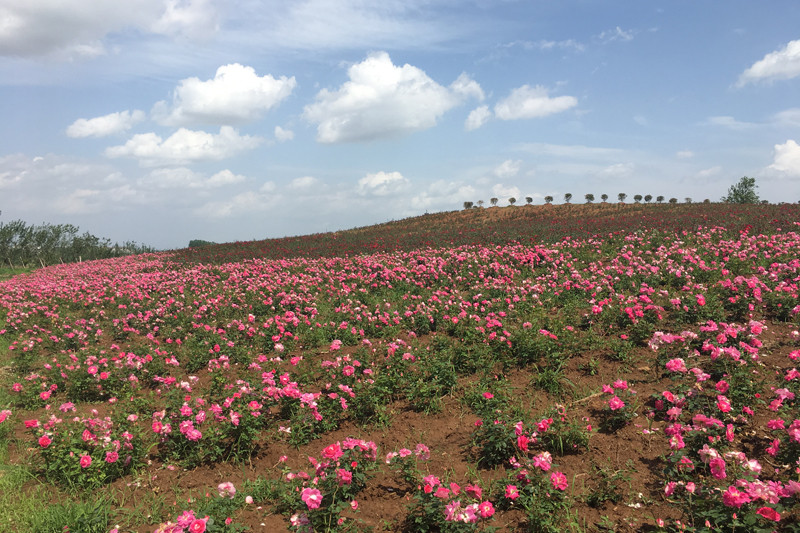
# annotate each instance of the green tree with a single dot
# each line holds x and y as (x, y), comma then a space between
(568, 197)
(659, 198)
(589, 198)
(637, 198)
(548, 199)
(529, 199)
(468, 205)
(621, 196)
(493, 201)
(512, 200)
(743, 192)
(648, 198)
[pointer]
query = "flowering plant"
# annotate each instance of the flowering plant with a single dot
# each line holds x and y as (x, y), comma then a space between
(320, 499)
(449, 507)
(87, 452)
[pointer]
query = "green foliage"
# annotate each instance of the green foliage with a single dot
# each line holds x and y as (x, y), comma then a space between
(743, 192)
(74, 517)
(608, 485)
(27, 245)
(195, 243)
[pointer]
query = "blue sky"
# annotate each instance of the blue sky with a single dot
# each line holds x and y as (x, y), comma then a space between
(161, 121)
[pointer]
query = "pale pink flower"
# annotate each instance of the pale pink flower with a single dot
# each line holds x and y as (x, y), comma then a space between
(226, 490)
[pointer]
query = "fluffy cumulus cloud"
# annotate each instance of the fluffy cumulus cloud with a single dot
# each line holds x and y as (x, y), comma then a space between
(184, 146)
(787, 159)
(74, 29)
(382, 184)
(235, 94)
(105, 125)
(477, 118)
(532, 102)
(282, 135)
(383, 100)
(781, 64)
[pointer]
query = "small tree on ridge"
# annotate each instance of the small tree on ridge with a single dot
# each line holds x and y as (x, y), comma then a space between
(744, 192)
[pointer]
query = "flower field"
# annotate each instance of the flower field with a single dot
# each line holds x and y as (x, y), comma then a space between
(642, 377)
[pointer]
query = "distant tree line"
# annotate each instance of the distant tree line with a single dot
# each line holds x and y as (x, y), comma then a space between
(25, 245)
(743, 192)
(196, 243)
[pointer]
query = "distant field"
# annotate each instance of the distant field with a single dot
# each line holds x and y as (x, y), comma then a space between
(527, 224)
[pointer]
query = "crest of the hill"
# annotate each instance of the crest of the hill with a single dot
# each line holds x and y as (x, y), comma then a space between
(500, 225)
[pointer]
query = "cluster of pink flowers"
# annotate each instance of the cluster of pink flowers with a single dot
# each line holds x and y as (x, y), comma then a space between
(187, 522)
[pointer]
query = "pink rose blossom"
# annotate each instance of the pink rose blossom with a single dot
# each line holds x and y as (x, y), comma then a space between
(311, 497)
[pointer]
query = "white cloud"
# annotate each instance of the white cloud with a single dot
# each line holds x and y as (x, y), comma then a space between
(77, 29)
(640, 120)
(708, 172)
(184, 178)
(576, 151)
(236, 94)
(568, 44)
(504, 192)
(684, 154)
(184, 146)
(787, 159)
(304, 183)
(466, 87)
(282, 135)
(477, 118)
(443, 195)
(382, 184)
(382, 100)
(532, 102)
(508, 168)
(105, 125)
(245, 203)
(617, 34)
(788, 117)
(51, 185)
(781, 64)
(729, 122)
(195, 19)
(323, 25)
(617, 170)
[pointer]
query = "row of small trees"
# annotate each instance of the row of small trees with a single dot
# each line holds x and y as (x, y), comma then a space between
(743, 192)
(568, 198)
(25, 245)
